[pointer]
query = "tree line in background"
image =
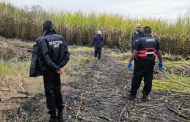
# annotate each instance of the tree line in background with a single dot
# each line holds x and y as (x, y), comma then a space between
(79, 28)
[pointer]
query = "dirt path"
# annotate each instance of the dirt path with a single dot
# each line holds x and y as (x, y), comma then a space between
(98, 93)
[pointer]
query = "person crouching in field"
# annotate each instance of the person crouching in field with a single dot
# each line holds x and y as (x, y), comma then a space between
(98, 44)
(145, 51)
(50, 54)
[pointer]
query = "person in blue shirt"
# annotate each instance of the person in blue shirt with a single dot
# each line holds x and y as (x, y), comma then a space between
(98, 44)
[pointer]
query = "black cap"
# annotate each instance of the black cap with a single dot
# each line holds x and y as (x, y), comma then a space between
(47, 25)
(147, 30)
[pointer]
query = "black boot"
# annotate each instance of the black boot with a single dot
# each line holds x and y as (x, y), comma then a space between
(53, 117)
(132, 97)
(60, 116)
(144, 97)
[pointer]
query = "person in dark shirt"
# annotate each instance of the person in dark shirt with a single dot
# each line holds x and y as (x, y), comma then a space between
(50, 54)
(145, 51)
(136, 35)
(98, 44)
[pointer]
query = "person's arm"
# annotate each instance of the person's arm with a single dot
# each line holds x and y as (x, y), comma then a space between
(132, 37)
(158, 51)
(45, 54)
(133, 56)
(136, 48)
(159, 54)
(93, 42)
(102, 41)
(132, 41)
(66, 56)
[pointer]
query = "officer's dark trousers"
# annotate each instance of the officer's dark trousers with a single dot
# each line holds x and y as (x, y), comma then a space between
(52, 85)
(98, 52)
(142, 69)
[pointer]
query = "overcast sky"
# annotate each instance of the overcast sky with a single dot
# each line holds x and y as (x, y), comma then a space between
(166, 9)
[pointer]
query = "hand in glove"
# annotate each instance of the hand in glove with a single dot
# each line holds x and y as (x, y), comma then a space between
(129, 66)
(160, 66)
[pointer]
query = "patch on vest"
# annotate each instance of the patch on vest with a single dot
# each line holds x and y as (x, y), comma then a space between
(55, 44)
(150, 40)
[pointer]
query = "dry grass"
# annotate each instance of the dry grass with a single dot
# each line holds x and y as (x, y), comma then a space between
(173, 83)
(15, 72)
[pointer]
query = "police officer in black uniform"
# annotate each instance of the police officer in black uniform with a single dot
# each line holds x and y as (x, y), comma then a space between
(145, 51)
(50, 54)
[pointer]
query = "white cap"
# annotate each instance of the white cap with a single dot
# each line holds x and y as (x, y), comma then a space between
(99, 32)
